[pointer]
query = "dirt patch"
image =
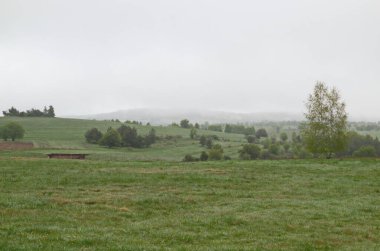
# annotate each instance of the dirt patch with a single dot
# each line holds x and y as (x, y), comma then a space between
(9, 145)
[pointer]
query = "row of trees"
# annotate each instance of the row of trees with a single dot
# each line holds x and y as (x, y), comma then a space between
(124, 136)
(46, 112)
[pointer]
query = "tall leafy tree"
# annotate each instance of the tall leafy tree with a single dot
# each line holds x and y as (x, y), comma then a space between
(325, 131)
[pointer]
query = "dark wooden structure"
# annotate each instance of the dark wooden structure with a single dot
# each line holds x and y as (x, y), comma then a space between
(67, 156)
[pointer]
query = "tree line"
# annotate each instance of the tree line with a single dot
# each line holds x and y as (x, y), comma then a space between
(46, 112)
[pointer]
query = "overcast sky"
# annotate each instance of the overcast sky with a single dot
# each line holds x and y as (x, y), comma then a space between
(89, 56)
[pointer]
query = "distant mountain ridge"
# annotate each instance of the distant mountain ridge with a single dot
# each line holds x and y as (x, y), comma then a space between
(168, 116)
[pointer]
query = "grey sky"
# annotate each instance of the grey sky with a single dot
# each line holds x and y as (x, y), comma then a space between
(88, 56)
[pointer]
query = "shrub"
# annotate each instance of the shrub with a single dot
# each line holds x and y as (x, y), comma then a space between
(274, 149)
(189, 158)
(204, 156)
(128, 136)
(227, 157)
(265, 154)
(111, 138)
(284, 137)
(249, 152)
(209, 143)
(216, 152)
(150, 138)
(93, 136)
(261, 133)
(202, 140)
(365, 151)
(193, 133)
(216, 128)
(206, 141)
(251, 139)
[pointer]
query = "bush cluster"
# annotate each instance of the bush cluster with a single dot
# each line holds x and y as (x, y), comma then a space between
(124, 136)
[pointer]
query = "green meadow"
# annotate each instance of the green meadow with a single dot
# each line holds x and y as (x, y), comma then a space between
(67, 136)
(146, 199)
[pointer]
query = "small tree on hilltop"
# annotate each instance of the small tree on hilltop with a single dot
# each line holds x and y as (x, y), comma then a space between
(325, 131)
(12, 130)
(111, 138)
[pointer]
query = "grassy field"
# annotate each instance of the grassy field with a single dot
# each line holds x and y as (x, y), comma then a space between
(145, 199)
(67, 135)
(260, 205)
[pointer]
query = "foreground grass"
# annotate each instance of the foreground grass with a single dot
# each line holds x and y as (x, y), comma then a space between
(263, 205)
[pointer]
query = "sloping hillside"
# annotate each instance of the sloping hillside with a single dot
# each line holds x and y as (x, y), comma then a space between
(67, 135)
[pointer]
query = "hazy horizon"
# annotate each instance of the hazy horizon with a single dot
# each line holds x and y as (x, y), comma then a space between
(91, 57)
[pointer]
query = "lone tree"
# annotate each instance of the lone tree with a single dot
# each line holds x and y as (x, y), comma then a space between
(12, 130)
(325, 131)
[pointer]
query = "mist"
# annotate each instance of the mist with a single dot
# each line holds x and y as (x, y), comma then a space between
(88, 57)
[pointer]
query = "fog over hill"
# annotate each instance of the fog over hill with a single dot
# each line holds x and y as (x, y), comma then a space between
(167, 116)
